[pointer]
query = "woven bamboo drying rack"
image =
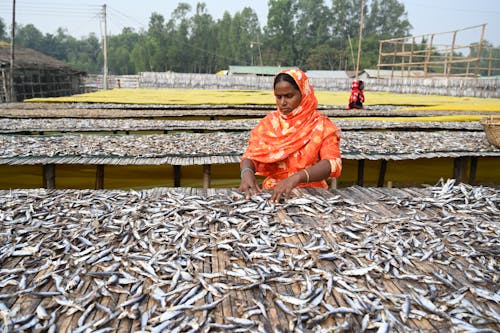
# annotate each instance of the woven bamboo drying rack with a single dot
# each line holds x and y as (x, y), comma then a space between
(491, 127)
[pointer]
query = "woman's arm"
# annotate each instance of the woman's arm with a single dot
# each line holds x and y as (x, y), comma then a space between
(248, 183)
(317, 172)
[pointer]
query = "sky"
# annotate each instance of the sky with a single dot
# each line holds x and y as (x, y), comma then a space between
(82, 17)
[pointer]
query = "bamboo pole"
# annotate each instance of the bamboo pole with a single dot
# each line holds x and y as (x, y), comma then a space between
(450, 58)
(473, 170)
(99, 177)
(360, 37)
(207, 168)
(410, 59)
(479, 49)
(460, 168)
(177, 175)
(428, 56)
(49, 176)
(361, 171)
(489, 61)
(381, 175)
(379, 58)
(403, 60)
(12, 90)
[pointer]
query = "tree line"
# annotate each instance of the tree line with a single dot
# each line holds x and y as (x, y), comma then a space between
(310, 34)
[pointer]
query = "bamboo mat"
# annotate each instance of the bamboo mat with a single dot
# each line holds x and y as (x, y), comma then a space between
(214, 148)
(89, 110)
(37, 125)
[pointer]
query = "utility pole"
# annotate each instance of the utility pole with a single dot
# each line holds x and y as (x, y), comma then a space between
(360, 36)
(105, 50)
(12, 90)
(258, 43)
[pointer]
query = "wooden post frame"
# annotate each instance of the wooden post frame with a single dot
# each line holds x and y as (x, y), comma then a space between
(207, 169)
(49, 176)
(361, 171)
(99, 177)
(177, 176)
(460, 168)
(381, 175)
(473, 170)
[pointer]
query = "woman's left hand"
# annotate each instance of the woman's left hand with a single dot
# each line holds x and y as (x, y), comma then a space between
(285, 187)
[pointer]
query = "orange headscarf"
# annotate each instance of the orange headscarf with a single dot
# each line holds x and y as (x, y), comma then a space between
(284, 144)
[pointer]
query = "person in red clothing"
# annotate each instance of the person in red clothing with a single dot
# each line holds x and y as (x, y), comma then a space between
(357, 98)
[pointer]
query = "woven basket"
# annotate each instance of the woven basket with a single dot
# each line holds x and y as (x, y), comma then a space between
(491, 127)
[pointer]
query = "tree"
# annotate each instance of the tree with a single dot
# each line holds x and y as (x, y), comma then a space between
(345, 18)
(386, 19)
(84, 54)
(203, 40)
(157, 43)
(325, 57)
(29, 36)
(3, 32)
(280, 33)
(119, 56)
(305, 33)
(244, 36)
(224, 47)
(313, 28)
(179, 54)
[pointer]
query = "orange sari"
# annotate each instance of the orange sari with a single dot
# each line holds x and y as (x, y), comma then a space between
(281, 145)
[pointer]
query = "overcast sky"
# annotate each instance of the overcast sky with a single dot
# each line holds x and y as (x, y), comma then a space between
(80, 18)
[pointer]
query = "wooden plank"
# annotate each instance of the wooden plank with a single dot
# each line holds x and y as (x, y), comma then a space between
(473, 170)
(361, 171)
(206, 175)
(460, 168)
(49, 176)
(177, 175)
(99, 177)
(381, 175)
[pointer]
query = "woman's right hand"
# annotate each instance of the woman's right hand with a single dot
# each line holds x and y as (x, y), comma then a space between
(249, 184)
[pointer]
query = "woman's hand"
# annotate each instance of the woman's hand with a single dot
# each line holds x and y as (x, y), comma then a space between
(286, 186)
(249, 184)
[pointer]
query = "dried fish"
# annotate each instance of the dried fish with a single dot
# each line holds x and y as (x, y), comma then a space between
(201, 260)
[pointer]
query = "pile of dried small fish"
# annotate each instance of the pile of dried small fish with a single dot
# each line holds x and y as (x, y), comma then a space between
(370, 145)
(10, 125)
(162, 260)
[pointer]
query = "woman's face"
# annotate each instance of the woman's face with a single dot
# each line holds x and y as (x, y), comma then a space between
(287, 97)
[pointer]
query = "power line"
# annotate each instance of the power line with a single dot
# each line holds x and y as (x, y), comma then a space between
(77, 15)
(139, 22)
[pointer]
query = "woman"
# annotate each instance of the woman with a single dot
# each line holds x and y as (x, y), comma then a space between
(293, 146)
(357, 97)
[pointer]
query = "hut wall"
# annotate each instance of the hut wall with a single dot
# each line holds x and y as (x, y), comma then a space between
(484, 87)
(32, 83)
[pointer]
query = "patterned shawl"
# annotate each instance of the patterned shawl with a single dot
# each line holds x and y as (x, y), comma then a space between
(278, 136)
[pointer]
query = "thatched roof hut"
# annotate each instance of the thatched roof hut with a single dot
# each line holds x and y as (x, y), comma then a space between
(37, 75)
